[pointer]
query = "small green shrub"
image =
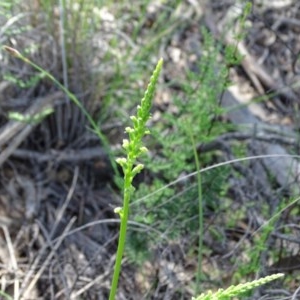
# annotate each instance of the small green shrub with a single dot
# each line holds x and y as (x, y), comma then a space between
(173, 210)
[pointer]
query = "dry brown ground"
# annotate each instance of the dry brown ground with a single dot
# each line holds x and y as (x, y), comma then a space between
(57, 196)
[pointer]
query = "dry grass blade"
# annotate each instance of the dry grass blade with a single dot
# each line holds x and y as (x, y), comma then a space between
(97, 279)
(13, 260)
(15, 143)
(66, 203)
(28, 285)
(59, 240)
(64, 156)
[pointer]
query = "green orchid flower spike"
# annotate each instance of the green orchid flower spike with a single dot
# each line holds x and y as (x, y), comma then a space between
(134, 148)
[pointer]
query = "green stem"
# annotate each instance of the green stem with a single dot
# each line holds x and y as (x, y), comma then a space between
(6, 296)
(200, 211)
(122, 236)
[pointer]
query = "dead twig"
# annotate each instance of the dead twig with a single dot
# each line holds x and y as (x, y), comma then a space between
(63, 156)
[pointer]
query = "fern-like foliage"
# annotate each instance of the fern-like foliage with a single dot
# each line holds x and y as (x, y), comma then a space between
(197, 107)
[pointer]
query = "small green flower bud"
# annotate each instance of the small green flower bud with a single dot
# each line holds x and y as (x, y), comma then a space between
(143, 150)
(119, 211)
(122, 161)
(129, 130)
(137, 169)
(125, 144)
(134, 121)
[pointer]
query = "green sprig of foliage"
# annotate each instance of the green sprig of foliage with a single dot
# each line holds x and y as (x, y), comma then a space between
(6, 296)
(237, 290)
(30, 119)
(134, 148)
(33, 80)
